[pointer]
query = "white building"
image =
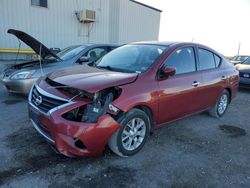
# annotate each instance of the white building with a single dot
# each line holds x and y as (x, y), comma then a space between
(55, 24)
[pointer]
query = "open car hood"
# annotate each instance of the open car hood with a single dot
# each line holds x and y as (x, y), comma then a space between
(91, 79)
(33, 43)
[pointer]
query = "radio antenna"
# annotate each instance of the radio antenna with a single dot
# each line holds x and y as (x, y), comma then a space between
(40, 61)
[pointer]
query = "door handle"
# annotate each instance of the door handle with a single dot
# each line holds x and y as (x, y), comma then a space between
(223, 78)
(195, 83)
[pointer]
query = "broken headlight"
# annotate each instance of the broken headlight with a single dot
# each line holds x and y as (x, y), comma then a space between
(113, 110)
(102, 104)
(99, 107)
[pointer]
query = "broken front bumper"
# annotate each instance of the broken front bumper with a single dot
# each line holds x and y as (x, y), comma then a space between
(69, 137)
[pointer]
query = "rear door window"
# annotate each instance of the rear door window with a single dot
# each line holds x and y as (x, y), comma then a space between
(207, 59)
(217, 60)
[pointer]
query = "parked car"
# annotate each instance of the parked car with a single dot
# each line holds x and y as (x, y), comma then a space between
(131, 91)
(19, 78)
(239, 59)
(244, 72)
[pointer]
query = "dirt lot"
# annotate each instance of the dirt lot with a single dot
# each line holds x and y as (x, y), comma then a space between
(198, 151)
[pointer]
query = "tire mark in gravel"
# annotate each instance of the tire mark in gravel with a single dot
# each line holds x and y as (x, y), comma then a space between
(232, 131)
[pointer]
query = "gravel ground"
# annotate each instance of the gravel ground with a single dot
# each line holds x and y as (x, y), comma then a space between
(198, 151)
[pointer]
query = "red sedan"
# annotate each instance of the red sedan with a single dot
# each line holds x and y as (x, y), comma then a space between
(131, 91)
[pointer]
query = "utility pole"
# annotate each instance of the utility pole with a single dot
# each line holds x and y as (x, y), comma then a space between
(239, 48)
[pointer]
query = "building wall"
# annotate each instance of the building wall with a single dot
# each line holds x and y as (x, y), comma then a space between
(114, 19)
(55, 26)
(137, 22)
(117, 21)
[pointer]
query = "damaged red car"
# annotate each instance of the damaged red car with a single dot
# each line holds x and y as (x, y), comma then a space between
(133, 90)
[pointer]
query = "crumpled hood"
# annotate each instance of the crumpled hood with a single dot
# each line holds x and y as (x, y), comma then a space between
(33, 43)
(91, 79)
(242, 67)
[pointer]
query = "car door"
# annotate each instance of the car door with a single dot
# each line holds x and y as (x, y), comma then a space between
(213, 77)
(180, 94)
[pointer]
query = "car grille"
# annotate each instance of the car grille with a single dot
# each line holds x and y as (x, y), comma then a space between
(43, 102)
(242, 74)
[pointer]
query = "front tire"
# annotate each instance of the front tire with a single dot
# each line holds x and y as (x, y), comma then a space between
(131, 137)
(220, 107)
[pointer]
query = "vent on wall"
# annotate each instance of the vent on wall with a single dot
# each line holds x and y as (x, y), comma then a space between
(86, 16)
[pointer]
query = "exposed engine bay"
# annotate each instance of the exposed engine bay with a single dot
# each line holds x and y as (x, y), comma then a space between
(100, 105)
(100, 102)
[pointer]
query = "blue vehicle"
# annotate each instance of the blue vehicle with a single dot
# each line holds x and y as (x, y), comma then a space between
(244, 72)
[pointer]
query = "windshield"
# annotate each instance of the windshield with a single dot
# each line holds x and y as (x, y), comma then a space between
(247, 61)
(239, 58)
(131, 58)
(70, 52)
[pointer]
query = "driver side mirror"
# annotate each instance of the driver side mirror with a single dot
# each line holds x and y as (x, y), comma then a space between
(167, 72)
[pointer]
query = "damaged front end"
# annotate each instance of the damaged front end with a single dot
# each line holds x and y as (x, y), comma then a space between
(80, 127)
(101, 104)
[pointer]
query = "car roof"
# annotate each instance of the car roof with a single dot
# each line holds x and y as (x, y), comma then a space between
(177, 44)
(95, 44)
(168, 43)
(155, 43)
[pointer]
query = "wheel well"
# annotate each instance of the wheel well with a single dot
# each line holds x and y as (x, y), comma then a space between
(230, 94)
(149, 112)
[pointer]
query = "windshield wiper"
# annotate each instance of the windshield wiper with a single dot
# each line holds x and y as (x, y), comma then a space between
(105, 67)
(115, 69)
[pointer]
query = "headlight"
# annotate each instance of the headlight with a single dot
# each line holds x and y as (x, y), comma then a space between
(112, 109)
(22, 75)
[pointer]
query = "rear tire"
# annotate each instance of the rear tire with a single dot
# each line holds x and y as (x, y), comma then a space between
(131, 137)
(220, 107)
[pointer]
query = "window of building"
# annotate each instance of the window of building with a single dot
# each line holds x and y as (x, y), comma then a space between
(206, 59)
(40, 3)
(183, 60)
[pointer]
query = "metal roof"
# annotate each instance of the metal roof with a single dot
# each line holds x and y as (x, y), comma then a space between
(150, 7)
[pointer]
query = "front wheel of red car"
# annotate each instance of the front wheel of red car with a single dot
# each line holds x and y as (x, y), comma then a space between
(131, 137)
(220, 107)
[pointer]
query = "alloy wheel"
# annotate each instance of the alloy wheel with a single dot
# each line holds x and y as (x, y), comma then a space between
(222, 105)
(133, 134)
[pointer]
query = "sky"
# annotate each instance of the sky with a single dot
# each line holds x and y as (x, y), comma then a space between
(219, 24)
